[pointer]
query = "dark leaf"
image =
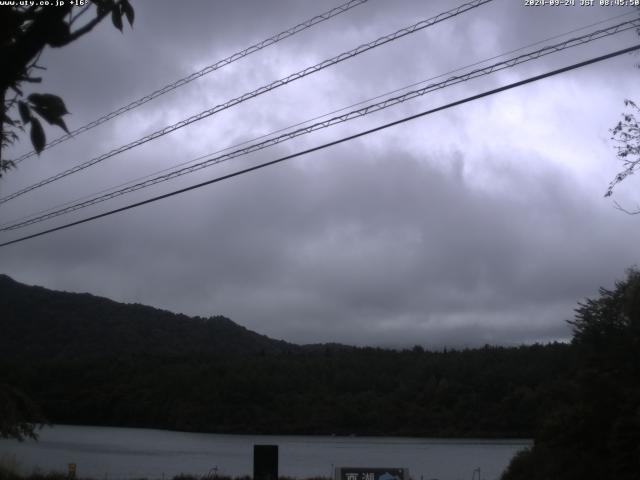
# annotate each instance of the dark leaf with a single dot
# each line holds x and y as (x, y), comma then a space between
(37, 135)
(50, 107)
(103, 6)
(51, 119)
(61, 124)
(57, 34)
(116, 18)
(49, 102)
(35, 98)
(25, 114)
(127, 9)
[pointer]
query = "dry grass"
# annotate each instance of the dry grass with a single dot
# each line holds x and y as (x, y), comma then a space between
(9, 468)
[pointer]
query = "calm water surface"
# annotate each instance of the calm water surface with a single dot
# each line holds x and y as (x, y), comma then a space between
(124, 453)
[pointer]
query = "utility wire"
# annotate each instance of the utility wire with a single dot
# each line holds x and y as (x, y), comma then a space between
(266, 88)
(298, 124)
(596, 35)
(330, 144)
(206, 70)
(354, 114)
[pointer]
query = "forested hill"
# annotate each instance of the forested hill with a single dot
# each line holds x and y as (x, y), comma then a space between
(89, 360)
(37, 323)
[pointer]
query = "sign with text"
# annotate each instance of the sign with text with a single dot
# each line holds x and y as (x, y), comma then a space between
(364, 473)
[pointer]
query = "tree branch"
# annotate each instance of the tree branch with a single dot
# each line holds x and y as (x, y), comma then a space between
(617, 206)
(80, 13)
(88, 27)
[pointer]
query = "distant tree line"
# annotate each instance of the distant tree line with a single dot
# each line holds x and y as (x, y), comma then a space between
(487, 392)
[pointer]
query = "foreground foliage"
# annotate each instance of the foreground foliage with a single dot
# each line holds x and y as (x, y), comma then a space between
(20, 417)
(26, 29)
(11, 474)
(595, 431)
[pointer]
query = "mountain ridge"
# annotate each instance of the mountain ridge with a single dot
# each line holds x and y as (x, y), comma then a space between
(88, 360)
(42, 323)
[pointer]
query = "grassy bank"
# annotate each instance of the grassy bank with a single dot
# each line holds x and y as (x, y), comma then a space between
(10, 470)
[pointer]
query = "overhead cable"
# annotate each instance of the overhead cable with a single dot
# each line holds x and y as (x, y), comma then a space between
(266, 88)
(201, 73)
(303, 122)
(330, 144)
(596, 35)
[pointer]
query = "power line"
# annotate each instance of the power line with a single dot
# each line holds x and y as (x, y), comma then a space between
(283, 129)
(330, 144)
(206, 70)
(509, 63)
(266, 88)
(339, 119)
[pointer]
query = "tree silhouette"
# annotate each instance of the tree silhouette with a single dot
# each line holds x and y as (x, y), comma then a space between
(24, 33)
(594, 431)
(626, 134)
(20, 415)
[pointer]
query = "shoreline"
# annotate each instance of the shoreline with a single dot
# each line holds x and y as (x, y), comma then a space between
(464, 440)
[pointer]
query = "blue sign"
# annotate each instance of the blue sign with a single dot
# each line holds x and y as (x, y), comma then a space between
(364, 473)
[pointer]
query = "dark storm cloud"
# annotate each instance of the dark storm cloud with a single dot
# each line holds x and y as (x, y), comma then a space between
(380, 249)
(484, 224)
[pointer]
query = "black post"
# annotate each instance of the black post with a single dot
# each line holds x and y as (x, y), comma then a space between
(265, 462)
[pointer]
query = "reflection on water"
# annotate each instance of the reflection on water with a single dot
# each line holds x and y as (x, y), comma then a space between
(124, 453)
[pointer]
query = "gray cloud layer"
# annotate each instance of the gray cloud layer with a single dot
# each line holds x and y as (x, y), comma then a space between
(483, 224)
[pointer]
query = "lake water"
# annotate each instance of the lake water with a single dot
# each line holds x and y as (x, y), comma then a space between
(126, 453)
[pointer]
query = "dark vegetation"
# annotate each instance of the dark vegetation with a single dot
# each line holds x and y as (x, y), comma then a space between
(89, 360)
(490, 392)
(26, 29)
(594, 430)
(40, 324)
(9, 474)
(19, 415)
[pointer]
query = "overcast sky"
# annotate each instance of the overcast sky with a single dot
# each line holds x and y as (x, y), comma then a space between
(484, 223)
